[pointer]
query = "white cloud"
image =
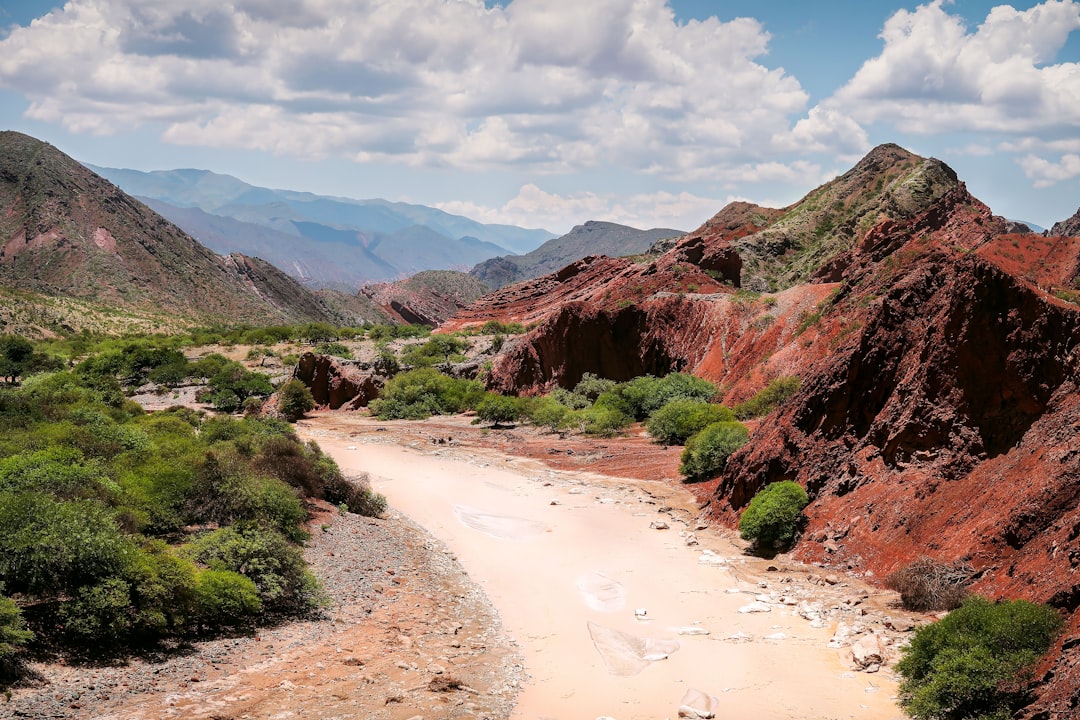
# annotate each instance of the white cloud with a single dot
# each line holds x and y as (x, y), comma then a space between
(1046, 173)
(935, 76)
(555, 85)
(534, 207)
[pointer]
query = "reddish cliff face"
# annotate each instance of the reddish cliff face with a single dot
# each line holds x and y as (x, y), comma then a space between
(335, 383)
(939, 354)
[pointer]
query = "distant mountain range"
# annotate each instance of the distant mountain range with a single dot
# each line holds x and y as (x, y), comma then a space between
(78, 253)
(590, 238)
(322, 241)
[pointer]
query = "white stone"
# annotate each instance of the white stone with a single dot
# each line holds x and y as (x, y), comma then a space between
(755, 607)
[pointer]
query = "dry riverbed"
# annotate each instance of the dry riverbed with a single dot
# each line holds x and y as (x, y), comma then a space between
(612, 601)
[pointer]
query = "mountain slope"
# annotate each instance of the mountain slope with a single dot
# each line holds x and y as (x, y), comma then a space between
(394, 239)
(939, 358)
(591, 238)
(66, 232)
(427, 298)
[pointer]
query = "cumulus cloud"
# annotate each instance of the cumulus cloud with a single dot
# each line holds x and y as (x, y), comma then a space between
(1046, 173)
(535, 207)
(934, 75)
(557, 85)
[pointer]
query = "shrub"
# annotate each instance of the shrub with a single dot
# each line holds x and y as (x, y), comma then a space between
(356, 494)
(602, 421)
(98, 612)
(776, 392)
(546, 412)
(971, 663)
(294, 399)
(927, 584)
(497, 409)
(268, 559)
(437, 349)
(706, 453)
(334, 348)
(49, 547)
(225, 598)
(772, 518)
(424, 392)
(646, 395)
(591, 386)
(13, 632)
(675, 422)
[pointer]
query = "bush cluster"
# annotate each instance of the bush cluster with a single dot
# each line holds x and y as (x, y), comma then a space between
(675, 422)
(773, 516)
(423, 392)
(971, 664)
(97, 499)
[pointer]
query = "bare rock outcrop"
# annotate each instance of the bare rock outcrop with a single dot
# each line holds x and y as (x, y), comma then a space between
(337, 383)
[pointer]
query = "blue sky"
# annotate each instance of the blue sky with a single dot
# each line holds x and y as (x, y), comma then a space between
(547, 113)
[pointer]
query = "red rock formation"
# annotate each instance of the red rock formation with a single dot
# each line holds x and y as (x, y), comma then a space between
(940, 401)
(337, 383)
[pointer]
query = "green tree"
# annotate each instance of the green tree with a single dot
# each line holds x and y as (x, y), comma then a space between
(294, 399)
(772, 517)
(971, 664)
(15, 352)
(498, 409)
(707, 452)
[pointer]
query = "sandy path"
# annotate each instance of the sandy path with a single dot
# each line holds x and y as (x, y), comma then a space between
(568, 559)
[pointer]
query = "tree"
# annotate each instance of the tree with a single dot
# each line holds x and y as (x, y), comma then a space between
(772, 517)
(294, 399)
(498, 409)
(15, 353)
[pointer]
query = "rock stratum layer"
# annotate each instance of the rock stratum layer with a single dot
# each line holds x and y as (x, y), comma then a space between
(938, 353)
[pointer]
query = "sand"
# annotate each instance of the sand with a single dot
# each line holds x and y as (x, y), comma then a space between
(615, 618)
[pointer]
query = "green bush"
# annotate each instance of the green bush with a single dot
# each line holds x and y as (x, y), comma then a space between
(49, 547)
(707, 452)
(498, 409)
(13, 632)
(294, 399)
(643, 396)
(437, 349)
(234, 383)
(225, 598)
(675, 422)
(772, 518)
(602, 421)
(424, 392)
(591, 386)
(546, 412)
(275, 566)
(334, 348)
(971, 664)
(768, 398)
(226, 490)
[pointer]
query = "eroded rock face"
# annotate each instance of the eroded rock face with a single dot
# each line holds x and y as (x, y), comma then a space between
(1069, 228)
(939, 355)
(337, 383)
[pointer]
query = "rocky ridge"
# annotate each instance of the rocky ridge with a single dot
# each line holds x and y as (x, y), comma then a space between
(938, 353)
(590, 238)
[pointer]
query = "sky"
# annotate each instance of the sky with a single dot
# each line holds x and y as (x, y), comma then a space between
(548, 113)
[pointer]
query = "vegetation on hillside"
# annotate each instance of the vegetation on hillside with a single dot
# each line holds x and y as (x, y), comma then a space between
(119, 527)
(974, 663)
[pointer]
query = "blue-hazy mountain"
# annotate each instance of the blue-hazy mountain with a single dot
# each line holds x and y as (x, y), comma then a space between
(321, 240)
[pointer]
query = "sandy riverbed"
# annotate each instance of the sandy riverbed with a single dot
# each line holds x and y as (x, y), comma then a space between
(570, 558)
